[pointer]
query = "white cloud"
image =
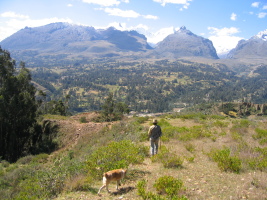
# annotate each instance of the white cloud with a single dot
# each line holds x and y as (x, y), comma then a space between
(233, 16)
(159, 35)
(150, 17)
(69, 5)
(183, 2)
(121, 13)
(223, 31)
(153, 38)
(262, 15)
(255, 4)
(17, 22)
(104, 2)
(264, 7)
(141, 28)
(14, 15)
(126, 13)
(223, 39)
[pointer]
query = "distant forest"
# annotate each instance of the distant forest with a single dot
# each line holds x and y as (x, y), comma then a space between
(158, 86)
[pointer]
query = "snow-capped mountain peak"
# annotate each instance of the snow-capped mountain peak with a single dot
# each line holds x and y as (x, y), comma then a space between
(262, 35)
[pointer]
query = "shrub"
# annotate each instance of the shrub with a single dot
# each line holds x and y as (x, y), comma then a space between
(5, 163)
(194, 132)
(40, 158)
(141, 120)
(83, 120)
(172, 161)
(79, 182)
(261, 134)
(114, 156)
(260, 161)
(220, 124)
(169, 132)
(191, 159)
(128, 131)
(189, 147)
(225, 161)
(168, 159)
(168, 185)
(31, 189)
(161, 155)
(25, 160)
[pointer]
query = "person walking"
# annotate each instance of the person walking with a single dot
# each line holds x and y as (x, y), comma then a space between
(154, 134)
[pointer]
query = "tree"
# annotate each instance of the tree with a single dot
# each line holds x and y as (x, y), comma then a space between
(17, 108)
(112, 110)
(56, 108)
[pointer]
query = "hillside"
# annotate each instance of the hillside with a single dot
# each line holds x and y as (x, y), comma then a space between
(190, 137)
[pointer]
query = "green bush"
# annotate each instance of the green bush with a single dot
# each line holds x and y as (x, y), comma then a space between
(128, 131)
(114, 156)
(168, 159)
(225, 161)
(31, 189)
(190, 147)
(168, 185)
(258, 162)
(5, 163)
(163, 153)
(193, 116)
(141, 120)
(25, 160)
(172, 161)
(40, 158)
(169, 132)
(195, 132)
(220, 124)
(83, 120)
(261, 134)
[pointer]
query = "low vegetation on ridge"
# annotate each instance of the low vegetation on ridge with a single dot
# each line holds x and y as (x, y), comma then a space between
(201, 156)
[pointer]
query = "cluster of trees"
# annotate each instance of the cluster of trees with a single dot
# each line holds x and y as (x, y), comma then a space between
(21, 105)
(17, 109)
(20, 132)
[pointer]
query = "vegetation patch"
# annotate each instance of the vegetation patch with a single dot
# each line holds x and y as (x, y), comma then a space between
(167, 187)
(225, 161)
(113, 156)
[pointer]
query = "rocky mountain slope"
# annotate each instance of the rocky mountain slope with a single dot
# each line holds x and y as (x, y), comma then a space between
(183, 43)
(67, 44)
(62, 41)
(255, 47)
(65, 40)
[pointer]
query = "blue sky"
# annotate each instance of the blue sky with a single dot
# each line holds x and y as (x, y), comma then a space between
(223, 22)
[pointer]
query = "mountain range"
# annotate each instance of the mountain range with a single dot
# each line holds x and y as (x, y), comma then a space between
(60, 42)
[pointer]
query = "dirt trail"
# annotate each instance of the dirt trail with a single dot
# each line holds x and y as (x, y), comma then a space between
(72, 129)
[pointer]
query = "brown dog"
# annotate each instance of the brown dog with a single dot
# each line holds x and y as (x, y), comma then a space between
(113, 175)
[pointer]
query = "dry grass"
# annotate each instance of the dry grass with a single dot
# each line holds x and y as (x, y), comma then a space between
(201, 177)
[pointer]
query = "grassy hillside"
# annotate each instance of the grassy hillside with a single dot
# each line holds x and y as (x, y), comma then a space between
(213, 157)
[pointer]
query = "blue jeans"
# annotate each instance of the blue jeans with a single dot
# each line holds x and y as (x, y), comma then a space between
(154, 146)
